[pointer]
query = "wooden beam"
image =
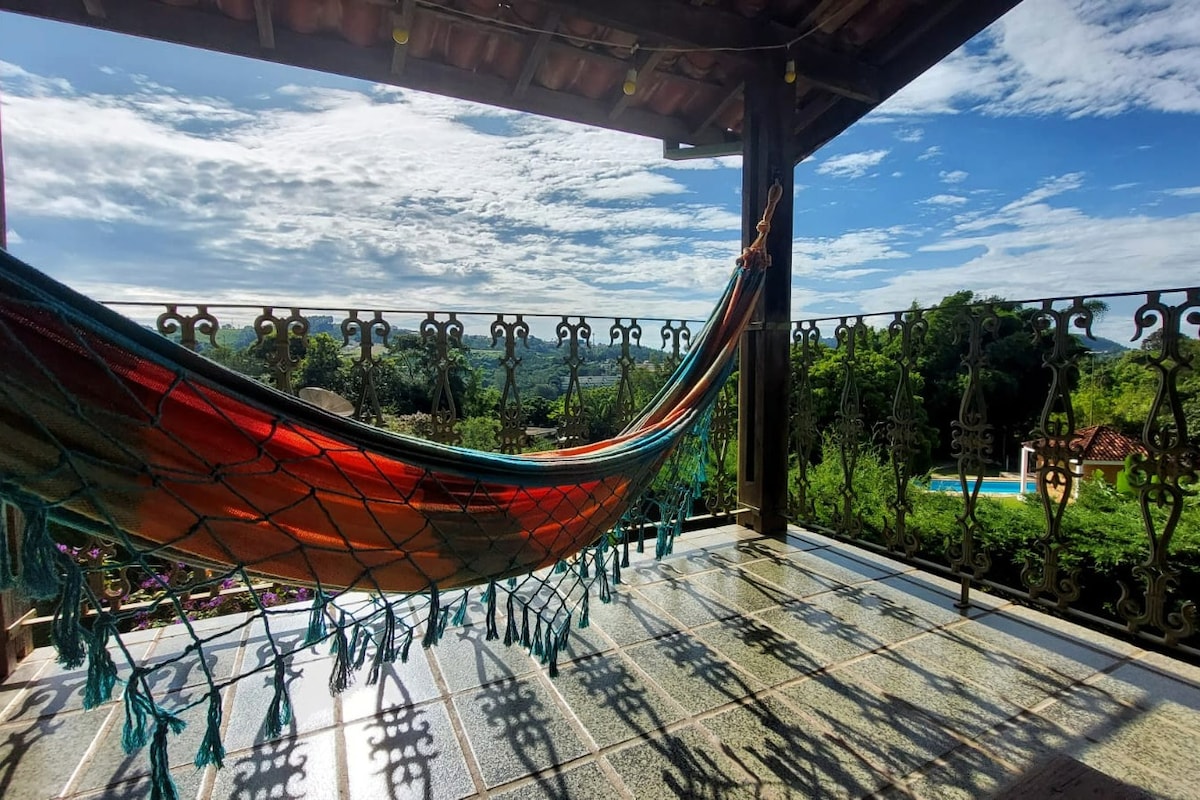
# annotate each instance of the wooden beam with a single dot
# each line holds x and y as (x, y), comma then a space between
(266, 28)
(403, 21)
(645, 64)
(734, 96)
(537, 53)
(705, 27)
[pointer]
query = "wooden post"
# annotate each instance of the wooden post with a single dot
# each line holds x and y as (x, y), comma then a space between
(764, 383)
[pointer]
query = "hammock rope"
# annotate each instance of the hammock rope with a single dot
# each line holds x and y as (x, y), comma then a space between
(109, 429)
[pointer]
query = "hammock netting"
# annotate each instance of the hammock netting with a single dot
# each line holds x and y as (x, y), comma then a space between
(108, 429)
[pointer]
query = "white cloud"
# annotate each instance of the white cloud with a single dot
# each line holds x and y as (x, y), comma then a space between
(370, 198)
(1186, 191)
(812, 256)
(930, 152)
(944, 200)
(852, 165)
(911, 135)
(953, 176)
(1069, 57)
(1121, 186)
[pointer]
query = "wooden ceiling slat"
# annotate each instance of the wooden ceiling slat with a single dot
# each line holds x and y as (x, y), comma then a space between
(704, 27)
(645, 64)
(402, 21)
(266, 28)
(537, 53)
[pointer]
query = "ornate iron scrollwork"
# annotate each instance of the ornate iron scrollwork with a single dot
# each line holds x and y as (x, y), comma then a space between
(850, 424)
(367, 364)
(628, 335)
(1160, 477)
(910, 328)
(280, 359)
(971, 442)
(512, 419)
(678, 337)
(187, 326)
(442, 335)
(574, 428)
(806, 336)
(720, 490)
(1055, 449)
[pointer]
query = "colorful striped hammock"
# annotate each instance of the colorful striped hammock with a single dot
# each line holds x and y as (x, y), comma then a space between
(110, 429)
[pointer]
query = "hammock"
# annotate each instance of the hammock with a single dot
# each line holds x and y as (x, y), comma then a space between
(108, 428)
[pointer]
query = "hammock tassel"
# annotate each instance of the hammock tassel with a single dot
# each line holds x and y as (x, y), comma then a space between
(279, 712)
(536, 643)
(39, 556)
(385, 650)
(432, 625)
(211, 750)
(162, 786)
(460, 616)
(137, 708)
(490, 596)
(316, 619)
(584, 620)
(65, 631)
(408, 640)
(102, 672)
(341, 677)
(510, 628)
(551, 657)
(525, 642)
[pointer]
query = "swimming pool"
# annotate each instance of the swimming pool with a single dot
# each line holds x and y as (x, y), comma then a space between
(989, 486)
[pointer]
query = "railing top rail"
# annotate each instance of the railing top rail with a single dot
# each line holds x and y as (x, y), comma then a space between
(398, 311)
(1003, 301)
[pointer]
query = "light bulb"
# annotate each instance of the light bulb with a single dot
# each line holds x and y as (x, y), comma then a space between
(630, 85)
(400, 35)
(789, 71)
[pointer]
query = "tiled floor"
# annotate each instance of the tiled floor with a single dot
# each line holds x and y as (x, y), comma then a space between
(740, 667)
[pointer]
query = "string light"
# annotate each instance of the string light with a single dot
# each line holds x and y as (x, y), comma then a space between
(789, 71)
(630, 84)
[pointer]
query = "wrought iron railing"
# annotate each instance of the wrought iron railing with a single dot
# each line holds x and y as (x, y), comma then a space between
(440, 349)
(885, 401)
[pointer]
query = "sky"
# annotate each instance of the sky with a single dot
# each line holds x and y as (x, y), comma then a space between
(1054, 154)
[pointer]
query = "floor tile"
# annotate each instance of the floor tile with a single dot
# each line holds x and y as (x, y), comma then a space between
(515, 728)
(759, 649)
(38, 756)
(787, 756)
(695, 675)
(467, 659)
(684, 764)
(407, 752)
(295, 767)
(611, 700)
(584, 781)
(687, 602)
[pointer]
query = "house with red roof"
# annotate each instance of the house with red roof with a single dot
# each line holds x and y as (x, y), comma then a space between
(1099, 448)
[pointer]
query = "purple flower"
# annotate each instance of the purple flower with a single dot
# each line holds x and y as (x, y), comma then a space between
(269, 598)
(215, 602)
(303, 593)
(94, 552)
(228, 583)
(62, 548)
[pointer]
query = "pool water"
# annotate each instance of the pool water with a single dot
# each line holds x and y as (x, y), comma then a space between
(989, 486)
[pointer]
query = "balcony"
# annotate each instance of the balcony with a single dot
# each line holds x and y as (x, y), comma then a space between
(739, 666)
(895, 642)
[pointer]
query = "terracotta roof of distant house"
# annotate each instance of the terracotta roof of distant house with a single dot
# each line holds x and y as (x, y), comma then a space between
(1102, 443)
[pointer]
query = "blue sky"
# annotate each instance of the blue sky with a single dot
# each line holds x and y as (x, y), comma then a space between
(1055, 154)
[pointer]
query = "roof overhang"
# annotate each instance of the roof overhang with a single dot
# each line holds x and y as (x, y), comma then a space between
(571, 59)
